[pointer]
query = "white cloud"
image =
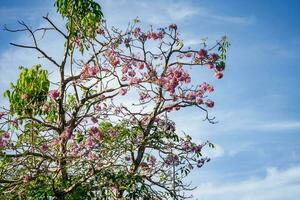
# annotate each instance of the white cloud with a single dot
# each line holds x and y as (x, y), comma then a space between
(234, 121)
(275, 185)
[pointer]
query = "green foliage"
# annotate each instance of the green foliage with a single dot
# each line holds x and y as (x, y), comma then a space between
(83, 16)
(30, 91)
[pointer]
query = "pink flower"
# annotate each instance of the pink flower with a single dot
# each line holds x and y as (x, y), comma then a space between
(127, 158)
(94, 120)
(93, 70)
(102, 97)
(143, 96)
(125, 69)
(133, 81)
(14, 123)
(186, 146)
(197, 149)
(218, 75)
(199, 101)
(173, 26)
(122, 91)
(44, 147)
(210, 65)
(189, 54)
(6, 135)
(2, 114)
(152, 160)
(3, 143)
(53, 94)
(24, 96)
(136, 32)
(201, 54)
(26, 179)
(210, 88)
(140, 65)
(89, 142)
(45, 107)
(209, 103)
(91, 155)
(113, 133)
(94, 131)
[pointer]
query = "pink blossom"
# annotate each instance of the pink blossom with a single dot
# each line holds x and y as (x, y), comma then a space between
(3, 143)
(152, 160)
(53, 94)
(26, 179)
(199, 101)
(93, 70)
(127, 158)
(97, 108)
(209, 103)
(94, 120)
(140, 65)
(122, 91)
(173, 26)
(2, 114)
(133, 81)
(125, 69)
(210, 88)
(197, 149)
(201, 54)
(189, 54)
(132, 73)
(210, 65)
(24, 96)
(91, 155)
(89, 142)
(218, 75)
(45, 107)
(186, 146)
(136, 32)
(6, 135)
(94, 131)
(14, 122)
(102, 97)
(44, 147)
(55, 142)
(143, 96)
(113, 133)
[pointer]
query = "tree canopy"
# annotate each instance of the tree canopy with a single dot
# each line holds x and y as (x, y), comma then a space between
(103, 130)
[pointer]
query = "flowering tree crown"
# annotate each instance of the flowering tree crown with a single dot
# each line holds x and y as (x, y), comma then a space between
(102, 130)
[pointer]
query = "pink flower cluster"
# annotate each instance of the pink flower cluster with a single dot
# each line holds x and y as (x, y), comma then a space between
(44, 147)
(137, 33)
(210, 60)
(122, 91)
(155, 35)
(143, 96)
(128, 72)
(172, 159)
(173, 77)
(88, 71)
(4, 139)
(53, 94)
(112, 57)
(2, 114)
(95, 133)
(198, 94)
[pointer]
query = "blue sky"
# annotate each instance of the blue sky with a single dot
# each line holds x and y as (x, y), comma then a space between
(257, 101)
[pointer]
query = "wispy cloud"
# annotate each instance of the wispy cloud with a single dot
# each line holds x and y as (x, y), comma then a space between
(169, 11)
(275, 185)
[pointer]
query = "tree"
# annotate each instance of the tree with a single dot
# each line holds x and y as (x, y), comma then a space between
(77, 138)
